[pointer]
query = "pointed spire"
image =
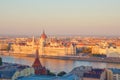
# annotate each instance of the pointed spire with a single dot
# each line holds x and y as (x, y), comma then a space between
(33, 41)
(43, 31)
(37, 52)
(37, 64)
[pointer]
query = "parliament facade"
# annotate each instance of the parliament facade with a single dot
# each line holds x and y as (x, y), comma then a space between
(51, 47)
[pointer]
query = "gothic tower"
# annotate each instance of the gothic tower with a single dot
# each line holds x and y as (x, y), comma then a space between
(42, 43)
(73, 49)
(39, 69)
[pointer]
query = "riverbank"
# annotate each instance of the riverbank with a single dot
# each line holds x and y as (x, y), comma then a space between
(89, 59)
(76, 58)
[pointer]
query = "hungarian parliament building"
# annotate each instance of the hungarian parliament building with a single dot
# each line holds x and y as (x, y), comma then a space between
(51, 47)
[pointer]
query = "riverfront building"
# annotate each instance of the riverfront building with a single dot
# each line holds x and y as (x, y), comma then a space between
(47, 46)
(109, 50)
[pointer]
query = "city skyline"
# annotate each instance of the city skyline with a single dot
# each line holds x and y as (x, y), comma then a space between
(64, 17)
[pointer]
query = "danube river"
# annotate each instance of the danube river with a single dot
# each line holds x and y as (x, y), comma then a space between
(56, 65)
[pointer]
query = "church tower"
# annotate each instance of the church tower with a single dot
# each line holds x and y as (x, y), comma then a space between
(39, 69)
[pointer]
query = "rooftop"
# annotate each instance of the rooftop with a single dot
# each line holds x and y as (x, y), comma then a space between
(47, 77)
(7, 70)
(115, 71)
(94, 73)
(36, 77)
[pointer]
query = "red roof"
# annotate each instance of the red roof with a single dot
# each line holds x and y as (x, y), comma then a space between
(37, 63)
(43, 35)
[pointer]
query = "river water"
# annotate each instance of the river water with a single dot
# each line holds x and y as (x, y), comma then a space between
(56, 65)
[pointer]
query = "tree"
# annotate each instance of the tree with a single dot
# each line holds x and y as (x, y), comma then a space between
(98, 55)
(62, 73)
(50, 73)
(0, 61)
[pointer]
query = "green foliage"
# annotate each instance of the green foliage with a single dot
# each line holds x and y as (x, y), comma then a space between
(50, 73)
(0, 61)
(53, 74)
(98, 55)
(62, 73)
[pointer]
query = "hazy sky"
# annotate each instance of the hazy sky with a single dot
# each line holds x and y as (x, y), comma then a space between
(60, 17)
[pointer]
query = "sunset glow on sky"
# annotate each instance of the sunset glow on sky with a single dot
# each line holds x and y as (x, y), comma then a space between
(60, 17)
